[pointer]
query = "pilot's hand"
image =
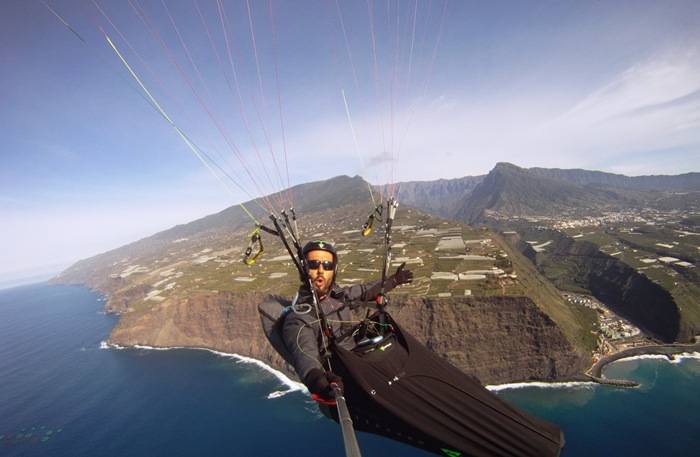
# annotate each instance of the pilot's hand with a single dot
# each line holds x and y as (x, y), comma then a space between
(402, 276)
(319, 383)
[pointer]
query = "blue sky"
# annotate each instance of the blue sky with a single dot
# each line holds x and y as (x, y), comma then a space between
(87, 165)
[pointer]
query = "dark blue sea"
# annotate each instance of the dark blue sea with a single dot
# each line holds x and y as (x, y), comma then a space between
(63, 393)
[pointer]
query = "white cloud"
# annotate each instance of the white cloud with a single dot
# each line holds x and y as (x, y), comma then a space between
(649, 107)
(54, 149)
(644, 120)
(650, 85)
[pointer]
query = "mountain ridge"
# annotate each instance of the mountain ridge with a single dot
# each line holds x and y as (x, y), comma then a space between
(441, 197)
(541, 203)
(683, 181)
(514, 191)
(447, 197)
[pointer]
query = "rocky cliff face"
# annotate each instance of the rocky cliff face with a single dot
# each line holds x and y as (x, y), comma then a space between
(441, 197)
(619, 286)
(223, 321)
(495, 339)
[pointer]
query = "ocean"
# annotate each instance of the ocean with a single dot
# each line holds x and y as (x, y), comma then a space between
(64, 393)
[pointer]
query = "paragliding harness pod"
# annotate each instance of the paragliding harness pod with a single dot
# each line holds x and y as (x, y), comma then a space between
(396, 387)
(272, 314)
(274, 311)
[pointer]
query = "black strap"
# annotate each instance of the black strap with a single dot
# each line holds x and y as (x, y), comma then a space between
(302, 273)
(269, 230)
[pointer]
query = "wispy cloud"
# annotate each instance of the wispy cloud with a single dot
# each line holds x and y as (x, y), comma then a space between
(381, 158)
(650, 106)
(53, 149)
(657, 83)
(642, 120)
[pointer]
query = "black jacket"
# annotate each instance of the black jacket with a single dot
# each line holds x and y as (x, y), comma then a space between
(302, 332)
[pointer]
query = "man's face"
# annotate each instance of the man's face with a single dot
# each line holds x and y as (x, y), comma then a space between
(321, 277)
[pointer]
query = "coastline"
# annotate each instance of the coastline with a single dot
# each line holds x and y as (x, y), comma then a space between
(668, 350)
(577, 380)
(293, 386)
(225, 402)
(671, 352)
(593, 376)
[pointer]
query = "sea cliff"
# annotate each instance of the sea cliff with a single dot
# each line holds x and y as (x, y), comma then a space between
(475, 299)
(496, 340)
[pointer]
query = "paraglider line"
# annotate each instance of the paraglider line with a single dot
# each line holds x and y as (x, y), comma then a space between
(357, 146)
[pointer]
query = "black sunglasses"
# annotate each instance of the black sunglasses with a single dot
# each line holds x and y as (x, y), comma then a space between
(314, 264)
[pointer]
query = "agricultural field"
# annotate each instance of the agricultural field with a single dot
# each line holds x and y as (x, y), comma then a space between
(446, 257)
(663, 253)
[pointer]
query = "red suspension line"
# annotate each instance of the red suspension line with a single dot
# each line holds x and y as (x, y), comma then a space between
(376, 75)
(399, 103)
(237, 95)
(279, 103)
(388, 164)
(240, 181)
(255, 179)
(217, 122)
(262, 95)
(357, 88)
(217, 119)
(433, 56)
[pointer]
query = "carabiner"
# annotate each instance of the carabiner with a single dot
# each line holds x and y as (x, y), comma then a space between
(376, 214)
(254, 238)
(368, 225)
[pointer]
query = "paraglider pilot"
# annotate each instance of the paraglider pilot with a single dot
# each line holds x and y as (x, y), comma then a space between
(302, 331)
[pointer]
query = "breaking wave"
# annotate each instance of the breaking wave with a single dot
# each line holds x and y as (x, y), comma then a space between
(547, 385)
(292, 386)
(673, 358)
